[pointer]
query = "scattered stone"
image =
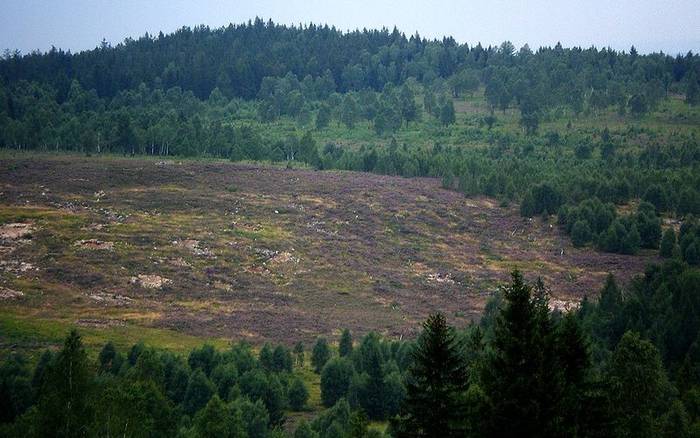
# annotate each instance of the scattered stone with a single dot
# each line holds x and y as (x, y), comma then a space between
(223, 286)
(180, 263)
(16, 231)
(150, 281)
(111, 299)
(267, 253)
(95, 244)
(440, 277)
(284, 257)
(257, 270)
(16, 266)
(94, 227)
(563, 305)
(193, 245)
(9, 294)
(99, 195)
(100, 323)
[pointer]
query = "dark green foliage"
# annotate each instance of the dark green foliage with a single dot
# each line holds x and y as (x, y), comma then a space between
(335, 380)
(320, 354)
(676, 423)
(199, 391)
(257, 385)
(219, 420)
(133, 408)
(265, 356)
(688, 202)
(447, 112)
(304, 430)
(435, 382)
(224, 377)
(299, 354)
(542, 199)
(255, 417)
(657, 196)
(580, 233)
(16, 393)
(622, 236)
(205, 358)
(63, 407)
(281, 359)
(535, 374)
(107, 356)
(345, 344)
(649, 226)
(637, 384)
(297, 394)
(158, 396)
(668, 243)
(135, 352)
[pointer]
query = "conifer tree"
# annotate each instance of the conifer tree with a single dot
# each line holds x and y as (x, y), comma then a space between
(64, 410)
(345, 344)
(436, 382)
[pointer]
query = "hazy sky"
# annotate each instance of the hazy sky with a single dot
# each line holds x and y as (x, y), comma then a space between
(651, 25)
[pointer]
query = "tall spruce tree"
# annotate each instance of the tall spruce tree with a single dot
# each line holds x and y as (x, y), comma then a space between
(345, 344)
(523, 377)
(436, 383)
(64, 410)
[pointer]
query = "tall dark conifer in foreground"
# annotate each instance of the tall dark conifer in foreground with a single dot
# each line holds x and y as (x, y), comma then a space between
(435, 385)
(64, 410)
(534, 371)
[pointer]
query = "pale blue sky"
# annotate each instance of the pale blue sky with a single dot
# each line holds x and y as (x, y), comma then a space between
(672, 26)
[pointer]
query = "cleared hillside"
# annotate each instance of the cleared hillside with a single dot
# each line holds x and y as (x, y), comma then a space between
(161, 249)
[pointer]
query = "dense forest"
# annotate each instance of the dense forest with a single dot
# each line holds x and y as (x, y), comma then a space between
(261, 91)
(604, 141)
(626, 365)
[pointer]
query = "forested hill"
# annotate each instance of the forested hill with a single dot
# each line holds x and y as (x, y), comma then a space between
(235, 59)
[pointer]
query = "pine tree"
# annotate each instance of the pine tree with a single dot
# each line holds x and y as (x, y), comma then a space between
(345, 344)
(522, 376)
(668, 243)
(219, 420)
(447, 112)
(64, 410)
(435, 385)
(320, 354)
(299, 353)
(335, 380)
(636, 384)
(297, 395)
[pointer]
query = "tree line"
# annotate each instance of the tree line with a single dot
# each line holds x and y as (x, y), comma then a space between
(625, 364)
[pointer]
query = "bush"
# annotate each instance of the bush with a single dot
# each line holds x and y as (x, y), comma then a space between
(335, 380)
(649, 226)
(668, 243)
(297, 395)
(580, 233)
(199, 391)
(657, 196)
(320, 354)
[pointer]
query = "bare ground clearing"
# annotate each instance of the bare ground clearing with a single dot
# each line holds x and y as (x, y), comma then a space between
(287, 255)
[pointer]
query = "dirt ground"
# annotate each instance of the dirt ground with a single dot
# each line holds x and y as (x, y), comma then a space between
(264, 253)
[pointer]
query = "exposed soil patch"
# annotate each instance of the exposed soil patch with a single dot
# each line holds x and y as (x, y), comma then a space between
(150, 281)
(109, 299)
(9, 294)
(193, 246)
(16, 231)
(100, 323)
(16, 266)
(95, 244)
